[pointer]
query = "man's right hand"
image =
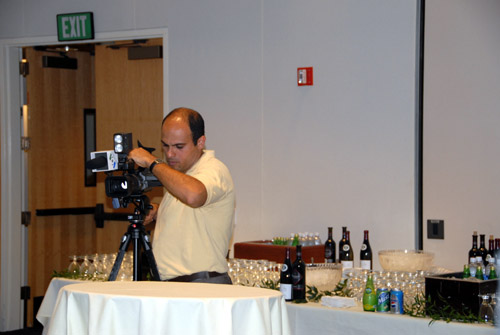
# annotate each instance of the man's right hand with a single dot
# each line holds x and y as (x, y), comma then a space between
(141, 157)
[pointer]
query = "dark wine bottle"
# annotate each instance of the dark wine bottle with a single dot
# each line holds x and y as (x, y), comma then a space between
(286, 277)
(365, 255)
(490, 253)
(347, 259)
(299, 276)
(482, 250)
(497, 250)
(330, 252)
(342, 242)
(473, 250)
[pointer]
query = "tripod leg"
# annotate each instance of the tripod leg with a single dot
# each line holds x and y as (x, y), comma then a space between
(119, 258)
(149, 254)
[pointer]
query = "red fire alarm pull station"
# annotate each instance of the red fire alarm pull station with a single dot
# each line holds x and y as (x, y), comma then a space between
(304, 76)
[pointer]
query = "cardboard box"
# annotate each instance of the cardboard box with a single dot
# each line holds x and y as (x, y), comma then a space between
(266, 250)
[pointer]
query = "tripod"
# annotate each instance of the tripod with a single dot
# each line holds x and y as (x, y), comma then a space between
(136, 232)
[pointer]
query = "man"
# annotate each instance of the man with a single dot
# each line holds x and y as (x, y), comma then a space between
(195, 218)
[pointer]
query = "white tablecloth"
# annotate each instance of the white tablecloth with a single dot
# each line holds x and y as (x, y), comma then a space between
(313, 318)
(167, 308)
(49, 300)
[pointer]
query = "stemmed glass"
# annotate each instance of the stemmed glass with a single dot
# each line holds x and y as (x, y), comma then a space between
(486, 311)
(73, 267)
(85, 267)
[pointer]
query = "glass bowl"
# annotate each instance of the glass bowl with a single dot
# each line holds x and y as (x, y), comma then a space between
(324, 276)
(405, 260)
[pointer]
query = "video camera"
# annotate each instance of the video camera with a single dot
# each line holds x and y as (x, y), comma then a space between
(133, 182)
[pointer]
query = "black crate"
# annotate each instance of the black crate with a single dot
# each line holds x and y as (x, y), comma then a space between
(458, 292)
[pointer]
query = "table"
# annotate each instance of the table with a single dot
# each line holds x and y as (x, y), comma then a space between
(166, 308)
(49, 300)
(313, 318)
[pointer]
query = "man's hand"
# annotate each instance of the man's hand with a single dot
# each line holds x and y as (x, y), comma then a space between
(141, 157)
(153, 212)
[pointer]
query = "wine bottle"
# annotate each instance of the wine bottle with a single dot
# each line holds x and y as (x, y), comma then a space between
(365, 255)
(342, 242)
(299, 276)
(490, 253)
(481, 256)
(330, 247)
(347, 259)
(473, 250)
(497, 251)
(369, 296)
(286, 277)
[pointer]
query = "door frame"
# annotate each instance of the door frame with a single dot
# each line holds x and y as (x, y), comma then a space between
(13, 245)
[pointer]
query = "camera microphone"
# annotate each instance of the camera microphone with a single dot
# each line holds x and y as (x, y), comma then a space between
(97, 163)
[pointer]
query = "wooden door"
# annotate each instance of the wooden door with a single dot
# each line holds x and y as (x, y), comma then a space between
(56, 100)
(127, 96)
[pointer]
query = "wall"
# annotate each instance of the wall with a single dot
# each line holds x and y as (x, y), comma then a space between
(338, 153)
(461, 137)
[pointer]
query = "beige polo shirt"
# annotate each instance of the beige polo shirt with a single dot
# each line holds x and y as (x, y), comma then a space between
(188, 240)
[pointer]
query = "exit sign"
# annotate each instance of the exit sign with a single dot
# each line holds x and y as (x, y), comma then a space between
(75, 26)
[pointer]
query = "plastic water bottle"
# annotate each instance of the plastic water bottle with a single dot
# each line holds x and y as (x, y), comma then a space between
(317, 240)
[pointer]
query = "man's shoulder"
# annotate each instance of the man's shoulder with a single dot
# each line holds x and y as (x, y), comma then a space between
(208, 161)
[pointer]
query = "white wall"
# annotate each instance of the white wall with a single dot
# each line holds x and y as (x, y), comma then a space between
(303, 158)
(340, 152)
(461, 118)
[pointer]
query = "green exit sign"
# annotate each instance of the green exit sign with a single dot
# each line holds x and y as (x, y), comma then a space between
(75, 26)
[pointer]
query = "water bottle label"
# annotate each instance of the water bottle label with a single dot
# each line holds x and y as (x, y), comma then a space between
(479, 259)
(366, 264)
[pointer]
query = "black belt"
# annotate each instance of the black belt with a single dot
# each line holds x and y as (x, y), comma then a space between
(197, 275)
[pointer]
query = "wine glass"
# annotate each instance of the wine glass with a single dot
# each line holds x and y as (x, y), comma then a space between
(73, 267)
(486, 311)
(85, 267)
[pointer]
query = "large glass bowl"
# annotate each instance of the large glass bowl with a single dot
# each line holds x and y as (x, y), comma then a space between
(405, 260)
(324, 276)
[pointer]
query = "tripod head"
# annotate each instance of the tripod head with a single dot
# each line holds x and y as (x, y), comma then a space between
(142, 207)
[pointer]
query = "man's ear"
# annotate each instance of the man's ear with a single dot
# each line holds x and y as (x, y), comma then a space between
(201, 142)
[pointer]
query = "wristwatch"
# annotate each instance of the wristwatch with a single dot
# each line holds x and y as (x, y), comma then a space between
(156, 161)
